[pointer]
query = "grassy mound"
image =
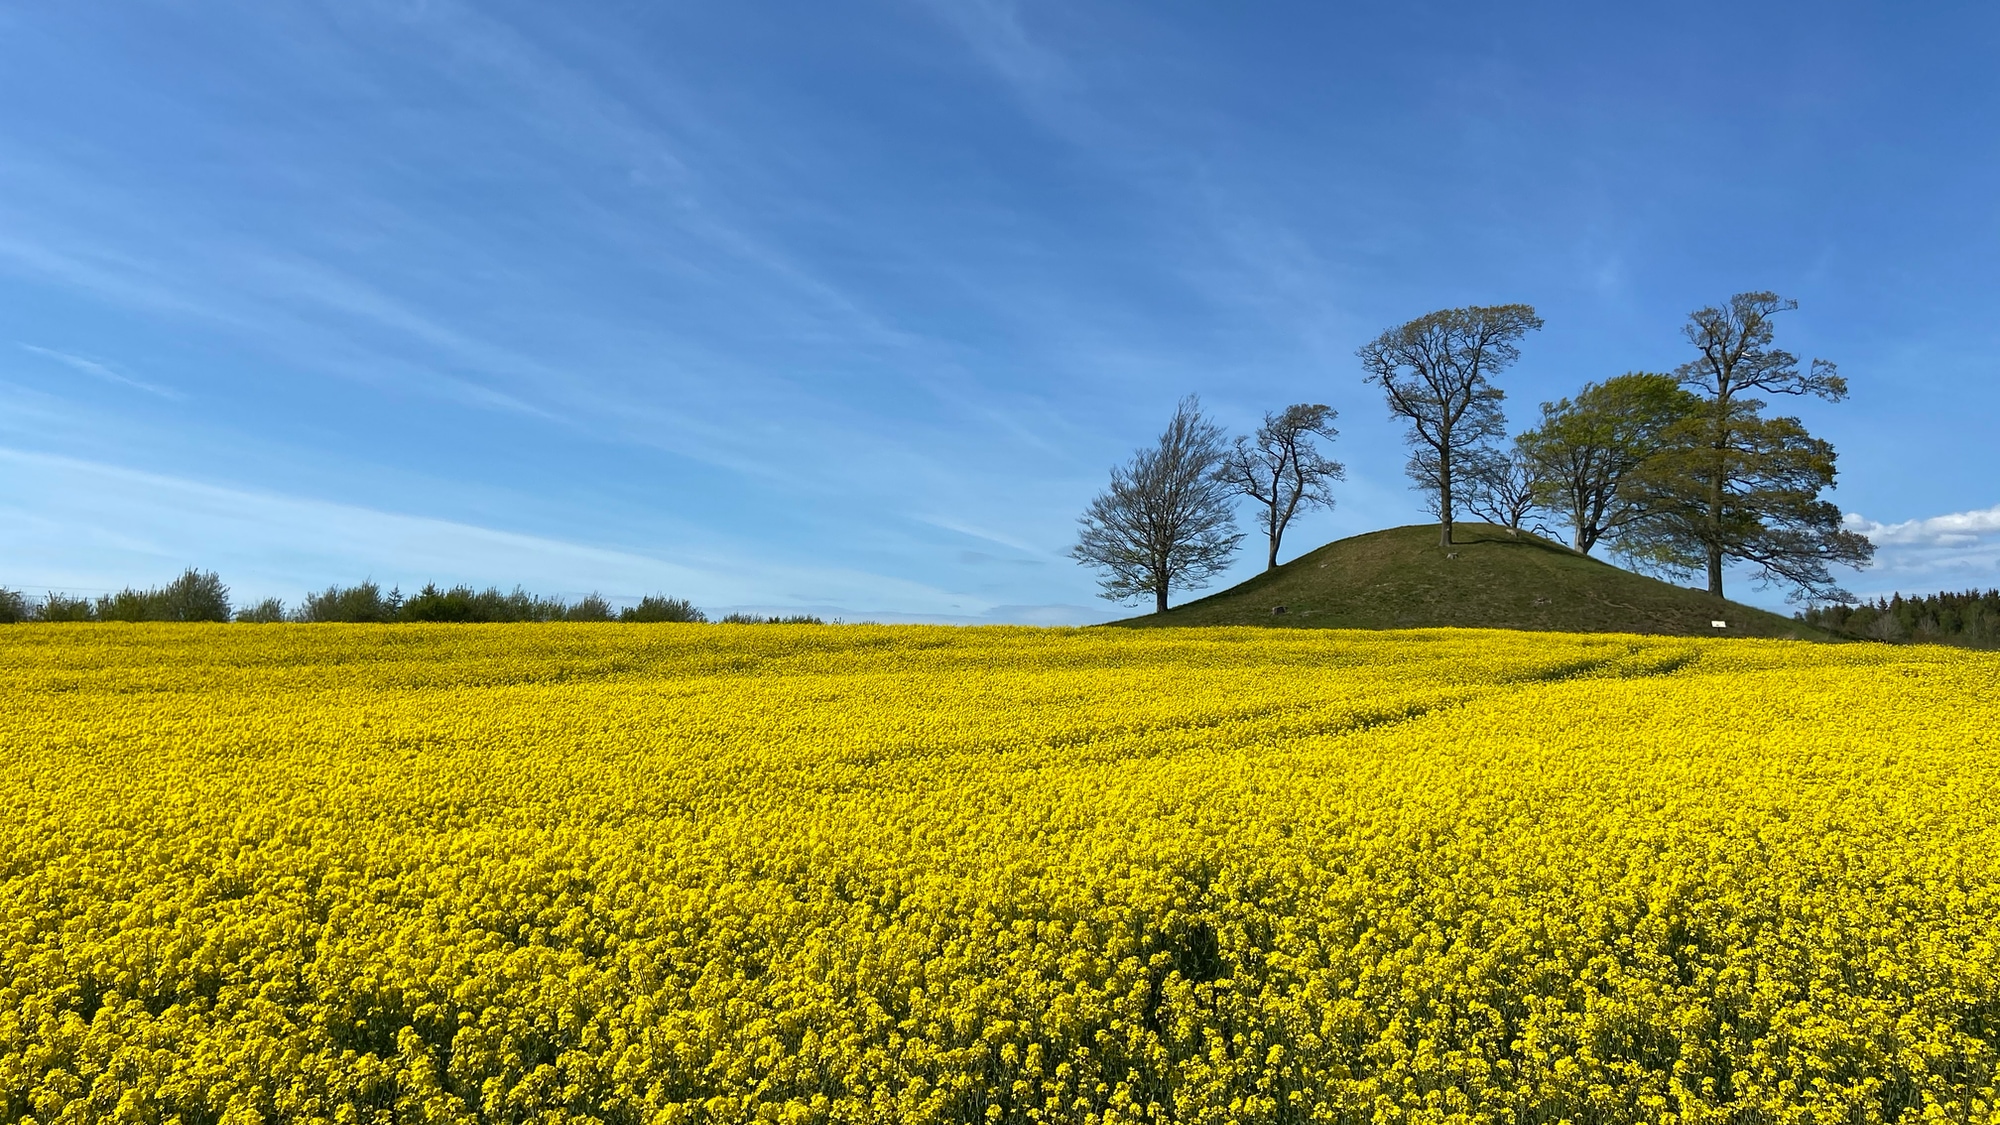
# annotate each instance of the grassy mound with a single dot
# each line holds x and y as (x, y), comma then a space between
(1402, 579)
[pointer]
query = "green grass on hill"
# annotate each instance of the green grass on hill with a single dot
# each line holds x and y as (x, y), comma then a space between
(1402, 579)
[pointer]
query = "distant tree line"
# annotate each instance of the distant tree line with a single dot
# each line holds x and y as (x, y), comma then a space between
(1678, 473)
(1970, 619)
(199, 595)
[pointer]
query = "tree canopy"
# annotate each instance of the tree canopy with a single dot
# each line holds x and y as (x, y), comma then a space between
(1166, 520)
(1730, 483)
(1436, 373)
(1282, 468)
(1587, 447)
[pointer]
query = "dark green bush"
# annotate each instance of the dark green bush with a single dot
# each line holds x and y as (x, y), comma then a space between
(364, 603)
(267, 612)
(590, 607)
(197, 595)
(462, 604)
(754, 619)
(62, 607)
(433, 604)
(662, 608)
(128, 605)
(201, 596)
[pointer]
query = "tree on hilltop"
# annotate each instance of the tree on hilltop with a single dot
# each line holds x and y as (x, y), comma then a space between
(1436, 372)
(1587, 447)
(1282, 469)
(1732, 484)
(1506, 488)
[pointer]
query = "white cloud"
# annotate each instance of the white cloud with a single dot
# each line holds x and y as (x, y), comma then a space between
(1959, 548)
(1959, 529)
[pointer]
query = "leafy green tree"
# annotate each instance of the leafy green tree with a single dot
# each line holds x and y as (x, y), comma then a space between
(1282, 469)
(1586, 447)
(14, 607)
(1166, 519)
(1732, 484)
(1436, 372)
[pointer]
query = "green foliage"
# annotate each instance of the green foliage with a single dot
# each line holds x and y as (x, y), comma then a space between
(754, 619)
(462, 604)
(127, 605)
(1731, 484)
(14, 607)
(458, 604)
(267, 612)
(354, 604)
(200, 596)
(590, 607)
(1970, 619)
(660, 608)
(195, 596)
(1587, 447)
(62, 607)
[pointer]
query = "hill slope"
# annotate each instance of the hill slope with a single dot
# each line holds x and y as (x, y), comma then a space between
(1401, 579)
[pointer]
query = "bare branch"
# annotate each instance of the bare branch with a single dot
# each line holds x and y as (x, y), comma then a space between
(1166, 520)
(1435, 373)
(1282, 469)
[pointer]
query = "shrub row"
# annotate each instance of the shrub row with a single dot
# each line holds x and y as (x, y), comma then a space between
(196, 595)
(201, 596)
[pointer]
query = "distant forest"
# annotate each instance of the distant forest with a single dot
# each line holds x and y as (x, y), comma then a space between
(199, 595)
(1970, 619)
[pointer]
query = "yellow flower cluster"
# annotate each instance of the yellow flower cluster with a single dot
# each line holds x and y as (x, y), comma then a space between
(655, 874)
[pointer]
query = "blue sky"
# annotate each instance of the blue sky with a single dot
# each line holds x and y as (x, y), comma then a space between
(852, 307)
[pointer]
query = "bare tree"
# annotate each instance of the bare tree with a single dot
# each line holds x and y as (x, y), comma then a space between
(1506, 488)
(1166, 521)
(1435, 372)
(1283, 469)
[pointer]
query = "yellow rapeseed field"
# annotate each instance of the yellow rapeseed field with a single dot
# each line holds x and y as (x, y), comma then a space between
(842, 874)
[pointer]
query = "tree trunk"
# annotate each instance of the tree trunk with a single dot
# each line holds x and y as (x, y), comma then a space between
(1271, 562)
(1444, 493)
(1160, 598)
(1715, 516)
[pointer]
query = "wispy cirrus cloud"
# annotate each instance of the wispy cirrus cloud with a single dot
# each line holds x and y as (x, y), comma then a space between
(97, 369)
(90, 526)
